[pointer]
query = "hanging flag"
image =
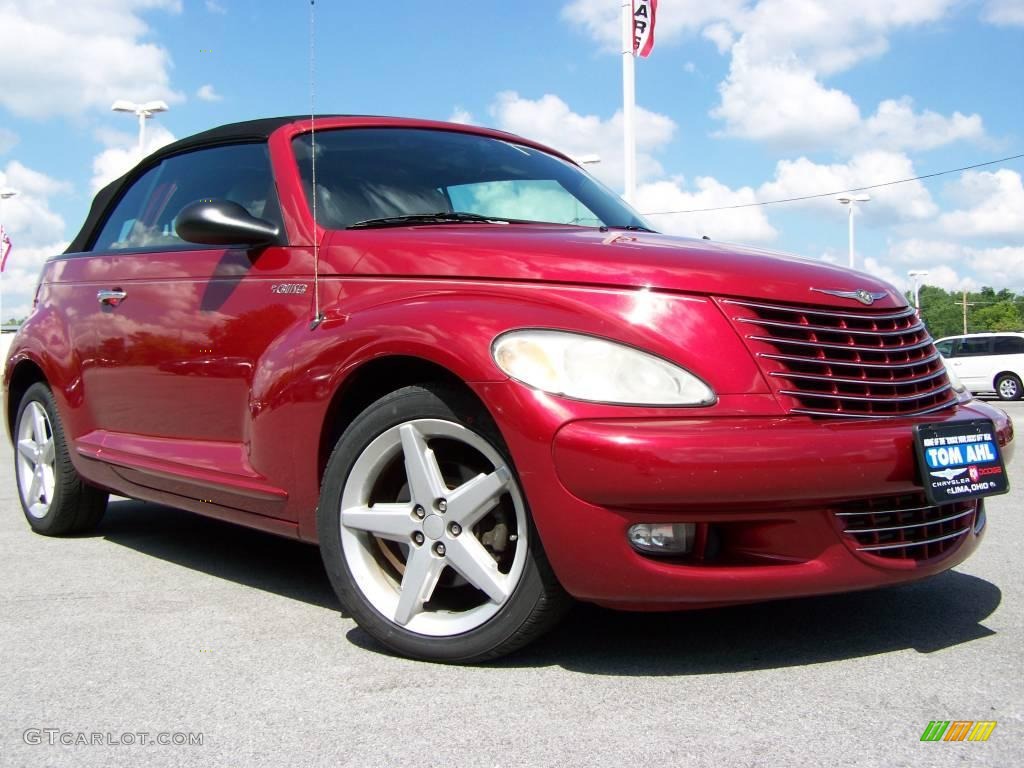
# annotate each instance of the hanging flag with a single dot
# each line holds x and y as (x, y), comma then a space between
(644, 13)
(5, 247)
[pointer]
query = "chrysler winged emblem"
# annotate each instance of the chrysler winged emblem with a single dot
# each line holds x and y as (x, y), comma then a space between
(861, 295)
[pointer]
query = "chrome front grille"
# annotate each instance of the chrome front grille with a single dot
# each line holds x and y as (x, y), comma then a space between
(851, 363)
(905, 527)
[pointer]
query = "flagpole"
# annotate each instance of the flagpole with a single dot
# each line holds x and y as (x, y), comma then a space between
(5, 240)
(628, 103)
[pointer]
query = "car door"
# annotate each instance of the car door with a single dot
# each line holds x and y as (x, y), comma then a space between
(972, 362)
(171, 335)
(1009, 352)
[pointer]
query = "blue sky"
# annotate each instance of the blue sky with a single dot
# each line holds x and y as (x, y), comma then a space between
(741, 101)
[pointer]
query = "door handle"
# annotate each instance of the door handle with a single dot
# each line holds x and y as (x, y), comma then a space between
(111, 298)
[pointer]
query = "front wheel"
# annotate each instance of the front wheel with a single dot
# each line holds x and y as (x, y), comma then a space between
(426, 534)
(1008, 387)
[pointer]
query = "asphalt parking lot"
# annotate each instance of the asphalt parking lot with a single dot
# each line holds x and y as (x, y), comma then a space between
(163, 622)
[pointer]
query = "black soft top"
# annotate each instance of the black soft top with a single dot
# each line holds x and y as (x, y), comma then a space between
(249, 130)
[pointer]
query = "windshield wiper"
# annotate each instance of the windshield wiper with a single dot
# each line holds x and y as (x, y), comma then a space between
(443, 217)
(628, 228)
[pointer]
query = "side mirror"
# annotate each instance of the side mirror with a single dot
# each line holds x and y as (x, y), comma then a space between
(222, 222)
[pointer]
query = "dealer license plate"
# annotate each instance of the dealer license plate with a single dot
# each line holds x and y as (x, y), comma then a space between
(959, 460)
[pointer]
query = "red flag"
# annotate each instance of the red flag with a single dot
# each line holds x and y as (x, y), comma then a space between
(644, 13)
(5, 246)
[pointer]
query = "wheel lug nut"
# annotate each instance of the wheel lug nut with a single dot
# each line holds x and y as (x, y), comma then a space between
(439, 549)
(442, 505)
(417, 537)
(454, 529)
(419, 511)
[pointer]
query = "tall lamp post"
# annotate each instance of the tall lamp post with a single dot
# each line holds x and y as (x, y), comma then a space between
(5, 194)
(143, 111)
(851, 201)
(916, 275)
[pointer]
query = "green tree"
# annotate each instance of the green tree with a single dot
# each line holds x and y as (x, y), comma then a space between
(940, 312)
(987, 310)
(1000, 316)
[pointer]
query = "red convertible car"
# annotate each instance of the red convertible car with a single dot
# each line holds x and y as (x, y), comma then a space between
(484, 386)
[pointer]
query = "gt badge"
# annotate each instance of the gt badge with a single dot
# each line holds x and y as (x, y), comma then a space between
(299, 288)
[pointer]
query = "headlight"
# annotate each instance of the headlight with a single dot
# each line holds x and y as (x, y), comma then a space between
(954, 378)
(587, 368)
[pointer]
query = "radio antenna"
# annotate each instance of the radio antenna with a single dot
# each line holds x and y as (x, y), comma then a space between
(317, 315)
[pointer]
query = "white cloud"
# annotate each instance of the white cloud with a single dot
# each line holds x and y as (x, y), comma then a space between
(122, 153)
(28, 213)
(956, 266)
(830, 37)
(36, 232)
(745, 225)
(896, 126)
(208, 93)
(898, 203)
(875, 268)
(827, 36)
(904, 203)
(461, 115)
(722, 35)
(72, 57)
(776, 91)
(782, 102)
(550, 121)
(1004, 12)
(994, 203)
(214, 7)
(941, 276)
(782, 52)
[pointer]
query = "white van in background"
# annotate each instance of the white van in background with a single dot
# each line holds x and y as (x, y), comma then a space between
(987, 362)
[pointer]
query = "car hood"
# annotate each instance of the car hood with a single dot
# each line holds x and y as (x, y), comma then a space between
(592, 257)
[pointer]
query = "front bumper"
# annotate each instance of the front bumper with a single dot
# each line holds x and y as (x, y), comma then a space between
(771, 488)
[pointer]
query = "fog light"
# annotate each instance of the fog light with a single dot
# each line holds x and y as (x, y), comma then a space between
(662, 538)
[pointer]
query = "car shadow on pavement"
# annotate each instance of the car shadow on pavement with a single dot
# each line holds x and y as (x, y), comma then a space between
(227, 551)
(926, 616)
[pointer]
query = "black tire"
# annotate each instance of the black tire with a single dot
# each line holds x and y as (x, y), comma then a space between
(533, 606)
(1008, 387)
(76, 506)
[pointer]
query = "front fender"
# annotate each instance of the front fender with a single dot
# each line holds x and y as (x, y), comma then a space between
(452, 324)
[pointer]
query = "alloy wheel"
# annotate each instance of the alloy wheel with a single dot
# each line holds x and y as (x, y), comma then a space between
(433, 527)
(36, 465)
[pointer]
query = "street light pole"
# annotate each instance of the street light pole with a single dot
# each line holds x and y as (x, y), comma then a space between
(143, 111)
(851, 202)
(916, 275)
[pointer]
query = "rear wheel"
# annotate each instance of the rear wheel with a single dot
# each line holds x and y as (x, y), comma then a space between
(1008, 387)
(427, 536)
(54, 497)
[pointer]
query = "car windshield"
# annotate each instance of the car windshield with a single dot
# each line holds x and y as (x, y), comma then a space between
(370, 177)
